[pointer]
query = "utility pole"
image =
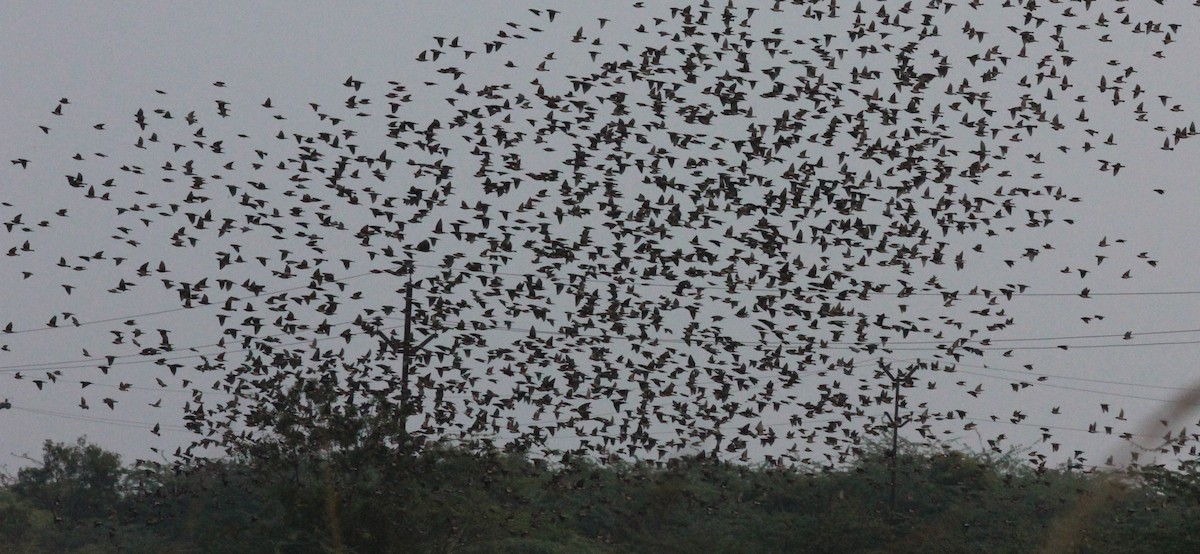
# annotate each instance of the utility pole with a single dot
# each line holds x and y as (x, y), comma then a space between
(406, 350)
(898, 378)
(406, 353)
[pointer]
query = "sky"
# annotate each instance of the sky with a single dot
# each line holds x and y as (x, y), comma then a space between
(1119, 359)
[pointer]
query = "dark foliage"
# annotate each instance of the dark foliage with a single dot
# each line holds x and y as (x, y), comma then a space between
(473, 499)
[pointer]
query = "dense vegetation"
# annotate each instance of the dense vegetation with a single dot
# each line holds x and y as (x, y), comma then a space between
(82, 499)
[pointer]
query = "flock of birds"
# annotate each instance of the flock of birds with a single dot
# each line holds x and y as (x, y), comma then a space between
(628, 236)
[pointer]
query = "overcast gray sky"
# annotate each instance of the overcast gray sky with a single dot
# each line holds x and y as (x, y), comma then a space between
(109, 61)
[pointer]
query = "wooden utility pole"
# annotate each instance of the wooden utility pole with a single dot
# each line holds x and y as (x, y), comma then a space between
(406, 351)
(899, 378)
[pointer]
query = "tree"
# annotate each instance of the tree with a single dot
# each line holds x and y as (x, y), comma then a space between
(80, 481)
(21, 525)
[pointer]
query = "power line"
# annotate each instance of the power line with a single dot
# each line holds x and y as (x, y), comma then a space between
(1130, 334)
(89, 362)
(128, 317)
(1003, 421)
(1093, 391)
(1085, 379)
(1055, 347)
(980, 292)
(103, 420)
(889, 346)
(183, 308)
(720, 341)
